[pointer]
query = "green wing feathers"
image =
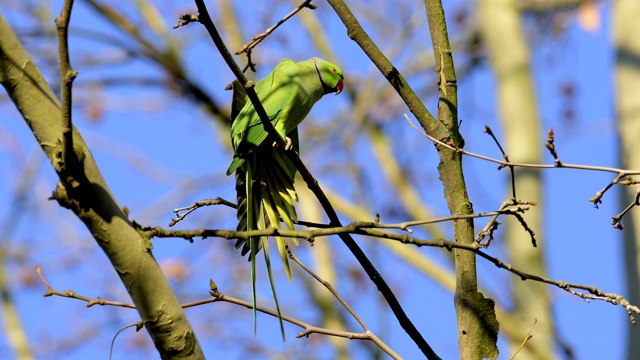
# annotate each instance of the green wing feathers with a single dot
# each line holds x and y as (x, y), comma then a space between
(264, 173)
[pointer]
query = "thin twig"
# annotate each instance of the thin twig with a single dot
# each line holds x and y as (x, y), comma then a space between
(196, 205)
(596, 199)
(552, 147)
(593, 292)
(321, 229)
(217, 296)
(327, 285)
(502, 211)
(333, 291)
(67, 75)
(137, 325)
(356, 228)
(524, 165)
(505, 156)
(617, 219)
(258, 38)
(510, 207)
(70, 294)
(220, 201)
(308, 328)
(524, 342)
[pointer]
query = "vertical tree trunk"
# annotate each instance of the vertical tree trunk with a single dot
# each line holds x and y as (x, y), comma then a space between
(477, 325)
(83, 190)
(626, 29)
(501, 29)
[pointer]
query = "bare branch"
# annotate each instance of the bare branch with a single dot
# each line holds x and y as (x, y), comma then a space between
(196, 205)
(67, 75)
(525, 165)
(596, 199)
(509, 207)
(70, 294)
(524, 342)
(505, 156)
(333, 291)
(217, 296)
(258, 38)
(363, 228)
(617, 219)
(552, 148)
(592, 293)
(308, 329)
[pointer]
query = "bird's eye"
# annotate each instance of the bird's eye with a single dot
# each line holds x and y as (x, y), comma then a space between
(333, 69)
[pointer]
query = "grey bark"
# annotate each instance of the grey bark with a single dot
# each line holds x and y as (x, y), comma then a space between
(83, 190)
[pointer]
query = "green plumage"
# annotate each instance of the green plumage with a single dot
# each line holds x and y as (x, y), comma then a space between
(264, 173)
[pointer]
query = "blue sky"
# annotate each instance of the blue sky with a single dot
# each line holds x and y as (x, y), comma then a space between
(158, 152)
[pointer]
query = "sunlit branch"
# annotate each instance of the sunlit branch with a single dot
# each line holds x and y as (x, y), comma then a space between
(67, 75)
(592, 293)
(524, 165)
(258, 38)
(524, 342)
(597, 199)
(617, 219)
(328, 230)
(198, 204)
(217, 296)
(333, 291)
(512, 207)
(70, 294)
(247, 48)
(308, 329)
(505, 156)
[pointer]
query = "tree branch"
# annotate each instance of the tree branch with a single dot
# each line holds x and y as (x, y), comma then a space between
(258, 38)
(67, 75)
(361, 228)
(376, 340)
(597, 199)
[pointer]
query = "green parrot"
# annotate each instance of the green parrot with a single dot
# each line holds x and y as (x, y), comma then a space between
(264, 173)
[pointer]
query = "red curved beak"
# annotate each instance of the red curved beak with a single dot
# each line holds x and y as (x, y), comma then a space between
(339, 87)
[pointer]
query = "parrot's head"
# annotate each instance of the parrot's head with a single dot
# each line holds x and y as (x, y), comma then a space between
(330, 76)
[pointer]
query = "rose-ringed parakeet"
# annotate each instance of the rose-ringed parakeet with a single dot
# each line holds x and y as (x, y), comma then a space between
(264, 173)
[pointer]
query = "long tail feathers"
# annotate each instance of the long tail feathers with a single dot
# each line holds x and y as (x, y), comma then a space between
(267, 261)
(265, 196)
(253, 242)
(269, 204)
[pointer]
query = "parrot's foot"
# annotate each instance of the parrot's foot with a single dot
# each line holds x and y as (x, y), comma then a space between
(288, 144)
